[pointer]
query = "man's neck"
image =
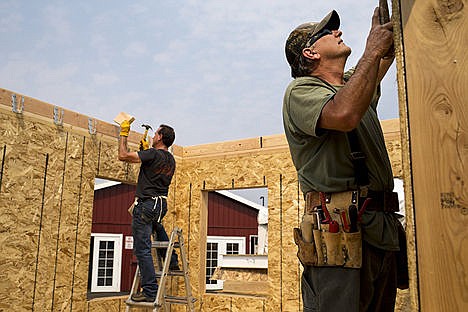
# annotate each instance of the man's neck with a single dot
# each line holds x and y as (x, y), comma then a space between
(331, 72)
(160, 146)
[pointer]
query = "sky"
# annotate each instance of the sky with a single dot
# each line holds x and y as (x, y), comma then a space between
(215, 70)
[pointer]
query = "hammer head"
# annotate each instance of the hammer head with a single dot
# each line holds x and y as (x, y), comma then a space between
(147, 127)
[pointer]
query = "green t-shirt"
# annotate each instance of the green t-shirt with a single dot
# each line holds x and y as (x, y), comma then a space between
(322, 157)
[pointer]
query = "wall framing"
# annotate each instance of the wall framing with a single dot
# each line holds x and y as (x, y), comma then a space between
(47, 177)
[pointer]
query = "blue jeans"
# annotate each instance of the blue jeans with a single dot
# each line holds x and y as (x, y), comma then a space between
(161, 236)
(144, 214)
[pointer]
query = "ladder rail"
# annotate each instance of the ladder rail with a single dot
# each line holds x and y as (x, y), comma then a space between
(135, 285)
(183, 255)
(162, 281)
(163, 301)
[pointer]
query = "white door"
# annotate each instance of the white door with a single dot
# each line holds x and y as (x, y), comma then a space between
(216, 247)
(107, 254)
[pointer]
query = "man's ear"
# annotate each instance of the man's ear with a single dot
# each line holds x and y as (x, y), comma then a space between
(311, 54)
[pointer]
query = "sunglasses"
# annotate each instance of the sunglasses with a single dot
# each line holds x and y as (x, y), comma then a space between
(317, 36)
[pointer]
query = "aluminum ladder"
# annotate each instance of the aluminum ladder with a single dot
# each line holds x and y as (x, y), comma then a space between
(163, 300)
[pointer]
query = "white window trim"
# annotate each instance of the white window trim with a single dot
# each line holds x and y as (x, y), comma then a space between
(255, 251)
(222, 242)
(117, 238)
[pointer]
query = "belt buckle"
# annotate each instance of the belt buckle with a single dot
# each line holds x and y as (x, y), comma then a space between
(363, 191)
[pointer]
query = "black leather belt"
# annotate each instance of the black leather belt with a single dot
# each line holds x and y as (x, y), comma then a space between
(381, 201)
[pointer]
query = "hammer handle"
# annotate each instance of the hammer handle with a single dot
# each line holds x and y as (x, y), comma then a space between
(384, 14)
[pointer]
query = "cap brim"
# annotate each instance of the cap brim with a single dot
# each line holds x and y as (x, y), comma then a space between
(330, 22)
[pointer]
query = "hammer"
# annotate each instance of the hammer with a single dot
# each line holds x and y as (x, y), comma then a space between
(147, 127)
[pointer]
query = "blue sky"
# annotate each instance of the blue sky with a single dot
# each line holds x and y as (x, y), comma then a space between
(214, 69)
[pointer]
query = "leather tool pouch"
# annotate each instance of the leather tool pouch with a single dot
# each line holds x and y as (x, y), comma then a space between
(132, 206)
(343, 248)
(306, 253)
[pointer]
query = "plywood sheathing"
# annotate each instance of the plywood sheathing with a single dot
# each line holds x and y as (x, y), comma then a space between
(76, 157)
(433, 92)
(20, 223)
(46, 198)
(240, 274)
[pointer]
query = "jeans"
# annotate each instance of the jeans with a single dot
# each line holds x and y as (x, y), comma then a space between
(144, 214)
(161, 236)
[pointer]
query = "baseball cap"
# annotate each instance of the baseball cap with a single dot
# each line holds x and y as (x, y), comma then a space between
(298, 37)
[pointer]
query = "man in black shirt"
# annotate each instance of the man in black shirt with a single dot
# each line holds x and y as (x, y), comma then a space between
(156, 171)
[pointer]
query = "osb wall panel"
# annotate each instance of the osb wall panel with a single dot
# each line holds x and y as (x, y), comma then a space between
(226, 303)
(66, 241)
(255, 170)
(46, 200)
(83, 223)
(51, 259)
(47, 254)
(109, 166)
(20, 225)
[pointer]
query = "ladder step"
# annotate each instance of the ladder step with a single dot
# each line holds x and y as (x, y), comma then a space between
(163, 300)
(132, 303)
(159, 244)
(179, 300)
(170, 273)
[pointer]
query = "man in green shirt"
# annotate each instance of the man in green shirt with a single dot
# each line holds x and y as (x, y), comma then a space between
(321, 105)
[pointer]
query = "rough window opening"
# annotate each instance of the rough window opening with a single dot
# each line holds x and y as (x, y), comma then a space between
(237, 244)
(111, 261)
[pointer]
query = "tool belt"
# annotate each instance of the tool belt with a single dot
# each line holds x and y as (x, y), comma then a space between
(380, 201)
(334, 237)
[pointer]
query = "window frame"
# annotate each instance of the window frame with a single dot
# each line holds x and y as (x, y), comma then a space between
(117, 262)
(222, 242)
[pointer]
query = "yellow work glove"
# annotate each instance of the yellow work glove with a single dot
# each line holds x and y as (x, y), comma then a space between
(144, 145)
(125, 128)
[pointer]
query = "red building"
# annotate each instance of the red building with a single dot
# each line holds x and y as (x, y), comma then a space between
(112, 264)
(231, 215)
(232, 229)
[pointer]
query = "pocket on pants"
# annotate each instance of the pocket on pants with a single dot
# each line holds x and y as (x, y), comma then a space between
(144, 213)
(309, 298)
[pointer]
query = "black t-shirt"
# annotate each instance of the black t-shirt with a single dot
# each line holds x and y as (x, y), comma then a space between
(156, 171)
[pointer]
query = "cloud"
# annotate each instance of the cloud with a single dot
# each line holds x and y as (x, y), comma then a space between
(105, 79)
(10, 22)
(102, 48)
(138, 9)
(135, 49)
(57, 22)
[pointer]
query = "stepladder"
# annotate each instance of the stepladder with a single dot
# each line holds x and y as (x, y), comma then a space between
(164, 272)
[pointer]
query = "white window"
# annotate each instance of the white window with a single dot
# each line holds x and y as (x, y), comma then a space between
(106, 266)
(253, 244)
(216, 247)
